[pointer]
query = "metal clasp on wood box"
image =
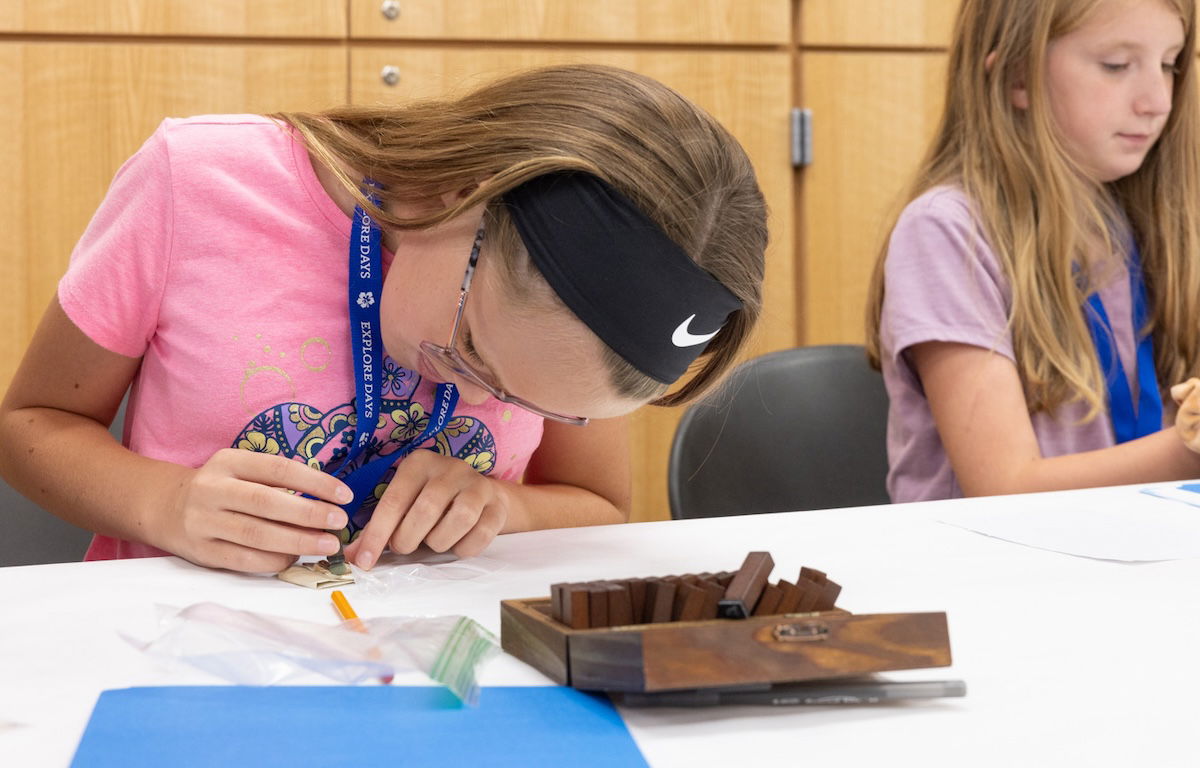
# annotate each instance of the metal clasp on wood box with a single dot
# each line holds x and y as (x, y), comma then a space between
(800, 633)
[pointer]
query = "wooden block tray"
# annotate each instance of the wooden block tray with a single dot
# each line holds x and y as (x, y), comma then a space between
(721, 653)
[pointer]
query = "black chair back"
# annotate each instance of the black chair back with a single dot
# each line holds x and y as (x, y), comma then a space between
(799, 429)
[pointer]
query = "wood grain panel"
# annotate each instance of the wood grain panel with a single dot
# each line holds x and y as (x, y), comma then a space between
(644, 21)
(873, 116)
(214, 18)
(886, 23)
(74, 112)
(15, 328)
(748, 92)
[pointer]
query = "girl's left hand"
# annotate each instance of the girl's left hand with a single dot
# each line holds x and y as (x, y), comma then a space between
(437, 500)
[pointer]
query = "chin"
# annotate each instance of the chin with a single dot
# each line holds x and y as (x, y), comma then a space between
(1112, 174)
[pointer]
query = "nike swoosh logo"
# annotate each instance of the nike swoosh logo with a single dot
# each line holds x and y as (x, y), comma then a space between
(684, 338)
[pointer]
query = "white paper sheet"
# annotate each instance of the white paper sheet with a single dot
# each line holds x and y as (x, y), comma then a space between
(1132, 527)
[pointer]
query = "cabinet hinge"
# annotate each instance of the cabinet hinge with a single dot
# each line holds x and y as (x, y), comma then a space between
(802, 149)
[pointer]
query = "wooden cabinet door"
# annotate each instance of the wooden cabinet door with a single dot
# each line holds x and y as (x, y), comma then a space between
(202, 18)
(749, 92)
(874, 114)
(641, 21)
(75, 111)
(877, 23)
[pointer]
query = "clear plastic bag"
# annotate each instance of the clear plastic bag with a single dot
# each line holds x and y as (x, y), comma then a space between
(256, 649)
(394, 571)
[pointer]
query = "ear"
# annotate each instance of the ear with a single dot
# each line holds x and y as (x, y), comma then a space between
(452, 198)
(1018, 94)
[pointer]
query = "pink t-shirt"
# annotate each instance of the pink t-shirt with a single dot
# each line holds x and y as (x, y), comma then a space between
(218, 258)
(944, 283)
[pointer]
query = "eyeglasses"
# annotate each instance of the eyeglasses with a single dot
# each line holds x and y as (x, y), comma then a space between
(447, 362)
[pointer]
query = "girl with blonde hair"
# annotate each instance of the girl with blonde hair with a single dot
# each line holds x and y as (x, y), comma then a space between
(405, 315)
(1043, 283)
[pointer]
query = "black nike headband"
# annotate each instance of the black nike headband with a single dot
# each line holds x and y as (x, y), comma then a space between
(619, 273)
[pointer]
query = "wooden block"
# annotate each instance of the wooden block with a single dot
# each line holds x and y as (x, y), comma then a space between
(769, 602)
(746, 587)
(814, 574)
(810, 594)
(689, 602)
(556, 597)
(660, 599)
(829, 595)
(597, 604)
(790, 599)
(713, 593)
(637, 598)
(620, 606)
(724, 577)
(575, 609)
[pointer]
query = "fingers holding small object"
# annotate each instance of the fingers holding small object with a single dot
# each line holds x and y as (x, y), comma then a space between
(267, 535)
(1184, 390)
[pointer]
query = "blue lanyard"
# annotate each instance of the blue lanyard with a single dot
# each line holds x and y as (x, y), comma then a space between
(1128, 424)
(365, 288)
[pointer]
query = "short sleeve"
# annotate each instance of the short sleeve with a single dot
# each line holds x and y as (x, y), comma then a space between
(942, 280)
(114, 283)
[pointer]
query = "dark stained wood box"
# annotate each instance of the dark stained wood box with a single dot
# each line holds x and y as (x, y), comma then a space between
(721, 652)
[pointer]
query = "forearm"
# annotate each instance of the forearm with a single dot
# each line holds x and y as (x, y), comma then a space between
(534, 507)
(1155, 458)
(71, 466)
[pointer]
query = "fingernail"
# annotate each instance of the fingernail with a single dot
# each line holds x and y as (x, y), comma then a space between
(345, 495)
(333, 521)
(365, 559)
(329, 545)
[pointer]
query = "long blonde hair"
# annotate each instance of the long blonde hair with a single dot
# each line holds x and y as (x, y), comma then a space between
(1038, 211)
(674, 161)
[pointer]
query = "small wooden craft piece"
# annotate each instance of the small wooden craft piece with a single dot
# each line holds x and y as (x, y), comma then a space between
(597, 604)
(747, 585)
(637, 599)
(620, 606)
(689, 602)
(660, 599)
(810, 593)
(789, 601)
(575, 611)
(314, 576)
(769, 602)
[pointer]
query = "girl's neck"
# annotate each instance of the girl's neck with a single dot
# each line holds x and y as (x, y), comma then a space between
(346, 203)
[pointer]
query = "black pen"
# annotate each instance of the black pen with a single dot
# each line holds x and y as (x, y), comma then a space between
(789, 694)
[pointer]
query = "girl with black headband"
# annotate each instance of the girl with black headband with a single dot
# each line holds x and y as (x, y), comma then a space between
(425, 321)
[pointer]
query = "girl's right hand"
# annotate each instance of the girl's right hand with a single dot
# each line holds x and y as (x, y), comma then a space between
(1187, 418)
(236, 512)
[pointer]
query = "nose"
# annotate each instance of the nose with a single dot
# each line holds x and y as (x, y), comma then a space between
(1154, 94)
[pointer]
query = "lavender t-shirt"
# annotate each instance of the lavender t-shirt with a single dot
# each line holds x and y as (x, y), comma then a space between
(944, 283)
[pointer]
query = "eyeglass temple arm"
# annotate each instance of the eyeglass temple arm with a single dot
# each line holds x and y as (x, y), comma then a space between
(466, 284)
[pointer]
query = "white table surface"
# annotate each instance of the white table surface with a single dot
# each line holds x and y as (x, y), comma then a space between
(1068, 661)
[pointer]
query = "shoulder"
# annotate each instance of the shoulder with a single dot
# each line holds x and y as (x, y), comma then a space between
(939, 230)
(945, 207)
(213, 138)
(224, 161)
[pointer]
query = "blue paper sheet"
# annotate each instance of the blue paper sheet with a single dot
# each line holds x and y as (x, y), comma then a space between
(353, 726)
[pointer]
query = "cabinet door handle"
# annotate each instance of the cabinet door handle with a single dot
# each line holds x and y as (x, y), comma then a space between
(390, 9)
(390, 74)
